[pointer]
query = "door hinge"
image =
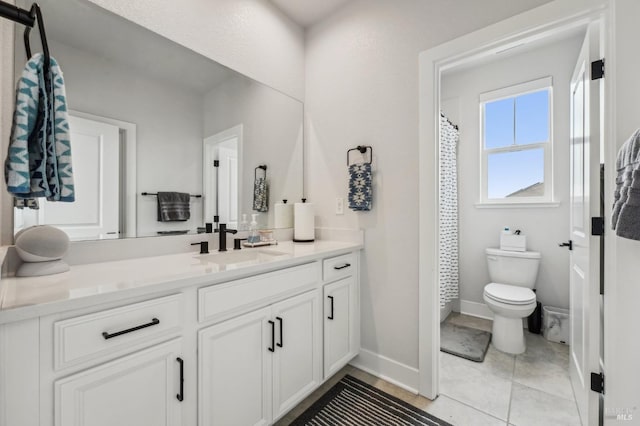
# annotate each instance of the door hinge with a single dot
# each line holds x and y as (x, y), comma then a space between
(597, 382)
(597, 226)
(216, 163)
(597, 69)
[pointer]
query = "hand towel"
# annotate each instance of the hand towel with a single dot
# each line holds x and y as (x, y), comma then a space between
(39, 160)
(173, 206)
(625, 218)
(260, 195)
(360, 190)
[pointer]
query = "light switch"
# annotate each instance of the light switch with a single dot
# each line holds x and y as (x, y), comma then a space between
(339, 205)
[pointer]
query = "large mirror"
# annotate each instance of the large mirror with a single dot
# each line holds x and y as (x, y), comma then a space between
(149, 116)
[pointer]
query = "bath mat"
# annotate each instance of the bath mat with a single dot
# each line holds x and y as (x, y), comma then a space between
(465, 342)
(355, 403)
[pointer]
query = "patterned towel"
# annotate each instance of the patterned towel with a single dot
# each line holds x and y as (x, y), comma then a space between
(360, 191)
(261, 195)
(173, 206)
(39, 160)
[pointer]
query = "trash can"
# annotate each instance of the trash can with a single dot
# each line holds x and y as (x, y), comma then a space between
(555, 324)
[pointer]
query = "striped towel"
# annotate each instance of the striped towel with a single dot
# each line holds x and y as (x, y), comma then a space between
(39, 160)
(173, 206)
(360, 190)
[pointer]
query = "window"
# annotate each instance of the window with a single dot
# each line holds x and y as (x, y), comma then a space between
(516, 144)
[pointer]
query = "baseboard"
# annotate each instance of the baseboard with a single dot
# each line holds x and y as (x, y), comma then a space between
(394, 372)
(475, 309)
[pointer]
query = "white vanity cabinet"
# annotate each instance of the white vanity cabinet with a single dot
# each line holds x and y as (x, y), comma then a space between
(258, 366)
(143, 389)
(341, 312)
(240, 352)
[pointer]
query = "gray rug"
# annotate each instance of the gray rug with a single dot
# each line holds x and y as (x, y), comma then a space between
(352, 402)
(465, 342)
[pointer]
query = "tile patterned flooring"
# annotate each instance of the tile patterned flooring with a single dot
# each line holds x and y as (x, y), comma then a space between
(524, 390)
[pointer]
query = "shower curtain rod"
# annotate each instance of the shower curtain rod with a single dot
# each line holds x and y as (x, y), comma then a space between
(455, 126)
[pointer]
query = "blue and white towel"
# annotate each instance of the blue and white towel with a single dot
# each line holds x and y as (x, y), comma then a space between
(360, 190)
(39, 159)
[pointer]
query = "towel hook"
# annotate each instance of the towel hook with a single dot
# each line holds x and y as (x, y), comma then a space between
(36, 14)
(262, 167)
(362, 149)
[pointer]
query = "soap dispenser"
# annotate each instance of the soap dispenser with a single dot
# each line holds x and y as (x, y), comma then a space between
(244, 225)
(253, 237)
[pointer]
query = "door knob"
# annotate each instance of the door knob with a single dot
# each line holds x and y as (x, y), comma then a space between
(567, 244)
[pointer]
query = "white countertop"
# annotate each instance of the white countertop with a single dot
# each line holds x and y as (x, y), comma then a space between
(95, 283)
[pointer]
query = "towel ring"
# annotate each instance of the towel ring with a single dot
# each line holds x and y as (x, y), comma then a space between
(262, 167)
(363, 149)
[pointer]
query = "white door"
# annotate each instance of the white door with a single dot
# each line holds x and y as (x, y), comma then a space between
(584, 204)
(228, 183)
(95, 148)
(235, 371)
(297, 356)
(339, 324)
(137, 390)
(222, 183)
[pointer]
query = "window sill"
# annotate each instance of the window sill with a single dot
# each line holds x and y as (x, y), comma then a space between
(529, 205)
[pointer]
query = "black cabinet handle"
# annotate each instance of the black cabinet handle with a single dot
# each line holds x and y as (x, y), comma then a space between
(281, 322)
(180, 396)
(346, 265)
(273, 336)
(154, 321)
(331, 314)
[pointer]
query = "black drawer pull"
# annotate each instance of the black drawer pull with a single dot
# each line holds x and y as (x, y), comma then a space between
(346, 265)
(331, 314)
(273, 336)
(154, 321)
(180, 396)
(281, 322)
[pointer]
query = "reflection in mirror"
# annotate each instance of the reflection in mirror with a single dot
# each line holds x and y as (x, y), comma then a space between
(147, 116)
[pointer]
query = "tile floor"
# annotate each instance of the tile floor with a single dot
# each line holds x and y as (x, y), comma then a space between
(528, 389)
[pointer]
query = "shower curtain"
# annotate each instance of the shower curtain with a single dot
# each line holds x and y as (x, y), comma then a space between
(448, 226)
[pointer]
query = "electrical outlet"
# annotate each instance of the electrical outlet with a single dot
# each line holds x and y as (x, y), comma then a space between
(339, 205)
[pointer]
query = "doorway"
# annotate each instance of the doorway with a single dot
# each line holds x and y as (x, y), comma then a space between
(435, 64)
(223, 176)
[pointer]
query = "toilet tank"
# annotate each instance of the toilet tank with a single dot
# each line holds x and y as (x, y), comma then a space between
(519, 268)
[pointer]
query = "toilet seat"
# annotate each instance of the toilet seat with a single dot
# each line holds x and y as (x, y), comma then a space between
(509, 294)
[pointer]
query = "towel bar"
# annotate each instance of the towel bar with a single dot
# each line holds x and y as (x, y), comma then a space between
(152, 193)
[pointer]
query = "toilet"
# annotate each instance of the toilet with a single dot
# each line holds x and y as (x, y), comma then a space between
(509, 295)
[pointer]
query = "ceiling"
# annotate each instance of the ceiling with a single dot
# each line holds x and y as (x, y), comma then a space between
(307, 12)
(113, 38)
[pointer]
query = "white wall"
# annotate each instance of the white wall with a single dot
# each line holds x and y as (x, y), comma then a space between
(544, 227)
(252, 37)
(169, 127)
(272, 135)
(622, 291)
(362, 88)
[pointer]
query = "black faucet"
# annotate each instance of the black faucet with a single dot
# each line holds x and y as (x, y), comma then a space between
(222, 244)
(204, 247)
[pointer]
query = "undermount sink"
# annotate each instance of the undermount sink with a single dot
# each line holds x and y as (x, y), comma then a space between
(237, 258)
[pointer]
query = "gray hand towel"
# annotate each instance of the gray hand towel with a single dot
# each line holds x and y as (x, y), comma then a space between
(625, 217)
(173, 206)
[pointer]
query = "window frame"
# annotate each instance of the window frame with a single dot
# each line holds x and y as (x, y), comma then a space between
(547, 199)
